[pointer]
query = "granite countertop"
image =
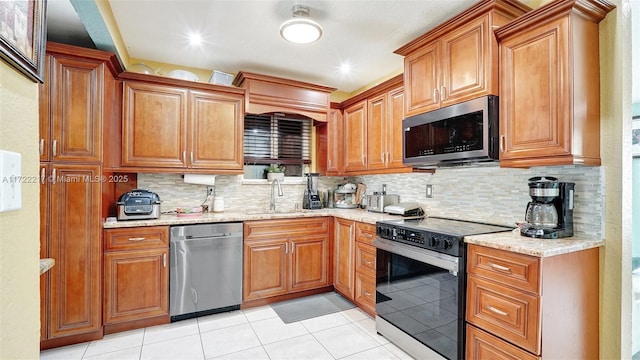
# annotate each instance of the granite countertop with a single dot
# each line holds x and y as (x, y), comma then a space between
(513, 241)
(46, 264)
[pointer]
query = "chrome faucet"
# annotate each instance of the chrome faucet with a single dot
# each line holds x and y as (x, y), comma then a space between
(272, 203)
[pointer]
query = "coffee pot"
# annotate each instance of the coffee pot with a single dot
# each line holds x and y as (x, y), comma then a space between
(550, 214)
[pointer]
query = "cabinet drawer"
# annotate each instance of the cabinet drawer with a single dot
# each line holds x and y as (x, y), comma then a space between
(365, 292)
(365, 232)
(285, 228)
(510, 314)
(511, 269)
(481, 345)
(136, 238)
(365, 259)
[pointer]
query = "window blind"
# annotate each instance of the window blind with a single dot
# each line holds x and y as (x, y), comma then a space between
(272, 139)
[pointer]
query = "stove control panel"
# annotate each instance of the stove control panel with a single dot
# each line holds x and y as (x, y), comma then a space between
(426, 239)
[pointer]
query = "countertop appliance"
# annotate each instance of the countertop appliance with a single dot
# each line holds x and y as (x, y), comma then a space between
(138, 204)
(377, 201)
(311, 198)
(205, 269)
(458, 134)
(404, 209)
(550, 214)
(421, 284)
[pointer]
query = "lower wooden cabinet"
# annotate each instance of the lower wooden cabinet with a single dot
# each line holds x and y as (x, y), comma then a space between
(285, 256)
(136, 277)
(344, 245)
(482, 345)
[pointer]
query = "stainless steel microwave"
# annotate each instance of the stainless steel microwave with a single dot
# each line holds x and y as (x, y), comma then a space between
(465, 133)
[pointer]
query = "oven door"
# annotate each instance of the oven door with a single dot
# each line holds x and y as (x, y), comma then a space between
(420, 300)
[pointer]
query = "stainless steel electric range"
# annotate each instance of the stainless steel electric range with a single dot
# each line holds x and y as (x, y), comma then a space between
(421, 282)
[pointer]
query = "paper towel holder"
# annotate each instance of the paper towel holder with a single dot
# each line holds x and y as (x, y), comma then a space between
(199, 179)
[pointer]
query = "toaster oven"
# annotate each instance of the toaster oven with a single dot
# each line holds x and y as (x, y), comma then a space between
(138, 204)
(377, 202)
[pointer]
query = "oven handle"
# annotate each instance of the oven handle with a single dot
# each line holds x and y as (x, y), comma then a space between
(442, 261)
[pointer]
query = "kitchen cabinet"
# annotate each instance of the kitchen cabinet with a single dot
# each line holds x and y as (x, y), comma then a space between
(136, 277)
(355, 136)
(335, 142)
(521, 303)
(173, 125)
(76, 100)
(286, 256)
(70, 234)
(550, 86)
(365, 267)
(344, 247)
(457, 60)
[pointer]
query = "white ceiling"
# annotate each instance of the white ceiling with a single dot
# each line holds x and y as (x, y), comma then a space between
(243, 35)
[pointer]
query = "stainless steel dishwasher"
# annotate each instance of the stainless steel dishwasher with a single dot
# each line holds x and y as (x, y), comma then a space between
(206, 269)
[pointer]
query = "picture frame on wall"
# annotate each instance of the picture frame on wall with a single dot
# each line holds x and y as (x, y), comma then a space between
(22, 36)
(635, 136)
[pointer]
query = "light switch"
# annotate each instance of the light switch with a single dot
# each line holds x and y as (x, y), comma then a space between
(10, 181)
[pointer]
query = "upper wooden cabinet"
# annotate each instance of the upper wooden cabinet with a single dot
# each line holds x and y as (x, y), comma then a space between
(550, 85)
(268, 94)
(77, 96)
(456, 61)
(173, 124)
(372, 128)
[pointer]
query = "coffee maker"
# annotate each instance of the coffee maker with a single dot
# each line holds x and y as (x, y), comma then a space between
(550, 214)
(311, 198)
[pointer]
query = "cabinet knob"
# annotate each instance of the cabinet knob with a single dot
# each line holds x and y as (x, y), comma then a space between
(502, 139)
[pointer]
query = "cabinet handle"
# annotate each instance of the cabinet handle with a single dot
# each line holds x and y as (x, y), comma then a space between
(366, 293)
(500, 267)
(164, 259)
(293, 246)
(136, 238)
(43, 173)
(383, 157)
(184, 156)
(368, 235)
(191, 158)
(286, 248)
(363, 159)
(443, 93)
(435, 95)
(53, 176)
(368, 262)
(502, 143)
(329, 163)
(497, 311)
(41, 146)
(55, 147)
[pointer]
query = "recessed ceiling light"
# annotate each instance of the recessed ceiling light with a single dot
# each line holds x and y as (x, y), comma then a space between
(195, 39)
(345, 68)
(300, 29)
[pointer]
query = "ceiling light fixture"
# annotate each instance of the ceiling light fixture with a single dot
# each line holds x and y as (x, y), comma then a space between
(300, 29)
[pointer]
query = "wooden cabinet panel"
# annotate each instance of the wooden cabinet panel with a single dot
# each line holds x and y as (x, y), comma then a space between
(264, 269)
(344, 247)
(285, 228)
(335, 143)
(74, 242)
(154, 125)
(394, 128)
(216, 130)
(365, 261)
(481, 345)
(376, 132)
(136, 285)
(309, 263)
(355, 137)
(505, 312)
(136, 238)
(365, 233)
(365, 293)
(422, 80)
(45, 220)
(506, 267)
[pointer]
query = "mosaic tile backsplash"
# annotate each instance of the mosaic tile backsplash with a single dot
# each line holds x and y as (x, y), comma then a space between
(487, 194)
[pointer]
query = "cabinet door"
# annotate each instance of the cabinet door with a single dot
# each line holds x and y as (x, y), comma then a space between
(154, 125)
(376, 132)
(136, 285)
(482, 345)
(45, 216)
(335, 143)
(44, 112)
(215, 131)
(75, 304)
(264, 269)
(355, 137)
(394, 128)
(535, 96)
(309, 263)
(344, 247)
(422, 80)
(466, 63)
(75, 109)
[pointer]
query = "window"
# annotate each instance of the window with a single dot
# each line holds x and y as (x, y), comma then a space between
(276, 139)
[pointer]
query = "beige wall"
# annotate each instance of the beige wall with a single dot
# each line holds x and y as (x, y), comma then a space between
(19, 230)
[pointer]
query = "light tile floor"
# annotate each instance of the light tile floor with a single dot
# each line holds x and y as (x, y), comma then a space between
(256, 333)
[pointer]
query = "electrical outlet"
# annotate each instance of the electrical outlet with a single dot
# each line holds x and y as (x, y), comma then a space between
(210, 190)
(429, 191)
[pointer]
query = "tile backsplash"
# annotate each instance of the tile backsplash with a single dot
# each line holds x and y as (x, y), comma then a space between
(486, 194)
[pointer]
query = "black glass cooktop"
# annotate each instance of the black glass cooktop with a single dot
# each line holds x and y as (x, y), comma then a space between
(446, 226)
